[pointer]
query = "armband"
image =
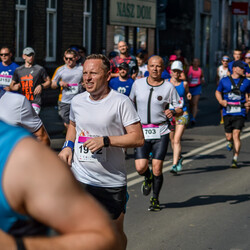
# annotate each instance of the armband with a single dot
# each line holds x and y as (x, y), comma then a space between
(68, 144)
(58, 83)
(20, 244)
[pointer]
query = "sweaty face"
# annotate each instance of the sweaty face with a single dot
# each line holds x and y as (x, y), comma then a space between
(29, 58)
(123, 72)
(237, 55)
(155, 68)
(122, 46)
(70, 60)
(95, 78)
(5, 55)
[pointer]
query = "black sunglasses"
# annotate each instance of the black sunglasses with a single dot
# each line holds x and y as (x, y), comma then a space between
(5, 54)
(69, 58)
(31, 54)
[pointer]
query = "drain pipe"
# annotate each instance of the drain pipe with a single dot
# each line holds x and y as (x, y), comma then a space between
(104, 27)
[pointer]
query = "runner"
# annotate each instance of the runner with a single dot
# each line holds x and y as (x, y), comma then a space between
(222, 71)
(7, 68)
(30, 79)
(15, 109)
(237, 55)
(123, 83)
(140, 57)
(69, 77)
(180, 120)
(37, 186)
(124, 57)
(152, 96)
(232, 93)
(195, 79)
(102, 123)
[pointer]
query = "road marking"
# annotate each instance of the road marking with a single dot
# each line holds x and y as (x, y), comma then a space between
(193, 154)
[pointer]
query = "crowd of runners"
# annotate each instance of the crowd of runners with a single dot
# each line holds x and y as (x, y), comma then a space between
(106, 105)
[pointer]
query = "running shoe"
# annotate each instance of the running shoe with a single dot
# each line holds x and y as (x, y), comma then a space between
(234, 164)
(229, 146)
(179, 165)
(154, 205)
(174, 169)
(146, 185)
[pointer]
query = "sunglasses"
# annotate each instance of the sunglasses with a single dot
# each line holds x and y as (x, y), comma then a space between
(5, 54)
(69, 58)
(224, 60)
(31, 54)
(247, 57)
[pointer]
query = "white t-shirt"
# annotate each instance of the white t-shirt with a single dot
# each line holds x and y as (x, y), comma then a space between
(141, 71)
(150, 107)
(222, 72)
(15, 109)
(106, 117)
(73, 77)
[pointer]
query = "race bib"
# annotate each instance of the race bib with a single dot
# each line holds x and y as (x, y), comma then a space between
(195, 81)
(233, 107)
(72, 89)
(151, 131)
(84, 154)
(5, 80)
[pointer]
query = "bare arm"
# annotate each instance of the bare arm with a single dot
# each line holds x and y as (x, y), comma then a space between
(219, 98)
(188, 94)
(42, 135)
(38, 89)
(66, 154)
(50, 194)
(114, 75)
(61, 83)
(133, 138)
(14, 86)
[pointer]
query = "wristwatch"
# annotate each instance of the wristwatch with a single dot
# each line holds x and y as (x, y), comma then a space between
(106, 141)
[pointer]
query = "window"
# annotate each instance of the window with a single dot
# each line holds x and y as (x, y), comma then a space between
(87, 16)
(21, 28)
(51, 31)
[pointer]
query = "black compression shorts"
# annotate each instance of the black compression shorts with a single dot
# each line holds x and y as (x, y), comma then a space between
(158, 147)
(114, 199)
(232, 122)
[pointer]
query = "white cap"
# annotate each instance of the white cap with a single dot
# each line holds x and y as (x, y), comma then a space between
(177, 65)
(28, 50)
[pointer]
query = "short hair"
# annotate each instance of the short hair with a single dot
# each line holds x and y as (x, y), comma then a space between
(103, 58)
(238, 49)
(6, 47)
(141, 55)
(70, 51)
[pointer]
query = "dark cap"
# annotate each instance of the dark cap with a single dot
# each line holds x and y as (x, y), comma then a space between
(239, 64)
(124, 66)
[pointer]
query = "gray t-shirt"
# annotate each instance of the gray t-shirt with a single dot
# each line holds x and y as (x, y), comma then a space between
(106, 117)
(73, 77)
(30, 78)
(15, 109)
(151, 101)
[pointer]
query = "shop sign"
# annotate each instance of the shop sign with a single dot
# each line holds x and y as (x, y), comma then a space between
(140, 13)
(239, 8)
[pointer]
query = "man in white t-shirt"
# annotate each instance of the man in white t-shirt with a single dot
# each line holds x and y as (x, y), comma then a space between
(15, 109)
(69, 77)
(102, 123)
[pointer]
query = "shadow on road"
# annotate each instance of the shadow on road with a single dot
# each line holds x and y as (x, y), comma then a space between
(202, 200)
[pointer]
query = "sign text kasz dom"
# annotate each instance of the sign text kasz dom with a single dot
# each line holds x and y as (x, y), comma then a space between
(139, 13)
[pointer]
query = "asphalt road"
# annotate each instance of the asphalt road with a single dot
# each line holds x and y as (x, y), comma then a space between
(206, 206)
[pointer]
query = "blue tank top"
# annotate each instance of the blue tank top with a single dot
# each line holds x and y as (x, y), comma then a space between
(181, 92)
(11, 221)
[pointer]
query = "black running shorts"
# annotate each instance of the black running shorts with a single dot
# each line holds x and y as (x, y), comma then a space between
(232, 122)
(158, 147)
(113, 199)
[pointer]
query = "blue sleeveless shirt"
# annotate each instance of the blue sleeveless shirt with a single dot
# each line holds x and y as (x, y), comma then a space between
(11, 221)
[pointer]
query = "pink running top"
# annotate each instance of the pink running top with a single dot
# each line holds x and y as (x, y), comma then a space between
(194, 77)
